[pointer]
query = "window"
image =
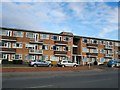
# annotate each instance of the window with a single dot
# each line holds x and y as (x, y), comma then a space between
(116, 44)
(60, 38)
(29, 34)
(58, 48)
(93, 50)
(85, 49)
(6, 44)
(85, 40)
(29, 57)
(102, 51)
(54, 37)
(93, 41)
(110, 43)
(102, 42)
(44, 36)
(17, 57)
(102, 60)
(4, 56)
(53, 58)
(17, 45)
(6, 33)
(84, 59)
(44, 58)
(69, 48)
(54, 47)
(51, 47)
(45, 47)
(18, 33)
(66, 38)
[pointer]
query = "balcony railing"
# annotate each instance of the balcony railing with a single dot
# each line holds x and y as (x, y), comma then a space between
(60, 52)
(108, 47)
(36, 42)
(109, 55)
(60, 42)
(8, 50)
(8, 38)
(35, 51)
(93, 54)
(92, 45)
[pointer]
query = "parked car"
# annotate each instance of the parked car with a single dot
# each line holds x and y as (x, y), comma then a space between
(67, 63)
(113, 63)
(36, 63)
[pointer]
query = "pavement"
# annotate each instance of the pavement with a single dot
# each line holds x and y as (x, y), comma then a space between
(96, 78)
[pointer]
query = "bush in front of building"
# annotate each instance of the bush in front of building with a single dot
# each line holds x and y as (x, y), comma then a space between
(17, 62)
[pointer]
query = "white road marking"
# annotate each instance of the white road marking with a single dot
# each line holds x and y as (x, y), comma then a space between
(40, 86)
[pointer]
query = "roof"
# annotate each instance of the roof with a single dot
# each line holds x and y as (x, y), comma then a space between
(62, 33)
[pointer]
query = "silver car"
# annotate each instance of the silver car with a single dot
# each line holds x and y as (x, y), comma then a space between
(67, 63)
(36, 63)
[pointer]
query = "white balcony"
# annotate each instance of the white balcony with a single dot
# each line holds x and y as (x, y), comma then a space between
(35, 51)
(108, 47)
(108, 55)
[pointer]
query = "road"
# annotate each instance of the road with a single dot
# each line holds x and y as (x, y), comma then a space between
(61, 79)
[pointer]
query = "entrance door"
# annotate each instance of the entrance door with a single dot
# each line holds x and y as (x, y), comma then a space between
(8, 57)
(78, 60)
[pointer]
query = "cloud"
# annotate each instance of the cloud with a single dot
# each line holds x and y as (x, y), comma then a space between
(89, 18)
(108, 29)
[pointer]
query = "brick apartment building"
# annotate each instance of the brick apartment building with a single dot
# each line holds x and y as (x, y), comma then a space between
(18, 44)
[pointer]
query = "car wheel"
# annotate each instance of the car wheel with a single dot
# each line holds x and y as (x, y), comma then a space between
(113, 65)
(35, 65)
(63, 65)
(74, 66)
(50, 65)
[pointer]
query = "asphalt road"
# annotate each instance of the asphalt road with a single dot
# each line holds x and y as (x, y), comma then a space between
(61, 79)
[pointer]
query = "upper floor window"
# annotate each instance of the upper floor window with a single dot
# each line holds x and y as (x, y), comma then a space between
(6, 33)
(102, 42)
(85, 40)
(116, 44)
(93, 41)
(29, 34)
(17, 45)
(93, 50)
(102, 51)
(44, 36)
(84, 49)
(66, 38)
(45, 47)
(6, 44)
(54, 37)
(18, 33)
(109, 43)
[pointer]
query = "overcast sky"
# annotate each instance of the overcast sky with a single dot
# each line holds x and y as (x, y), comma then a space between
(92, 19)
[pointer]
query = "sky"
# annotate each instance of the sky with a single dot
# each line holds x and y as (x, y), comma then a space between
(90, 19)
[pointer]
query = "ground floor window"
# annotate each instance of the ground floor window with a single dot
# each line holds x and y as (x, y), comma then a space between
(17, 56)
(102, 60)
(4, 56)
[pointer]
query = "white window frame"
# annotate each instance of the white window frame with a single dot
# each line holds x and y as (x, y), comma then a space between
(14, 57)
(86, 49)
(15, 33)
(14, 45)
(4, 55)
(44, 37)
